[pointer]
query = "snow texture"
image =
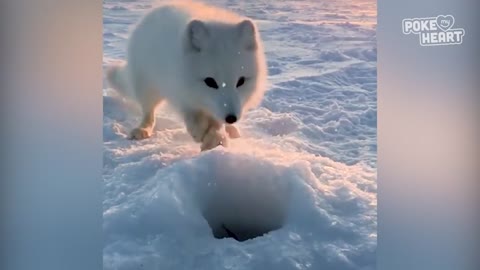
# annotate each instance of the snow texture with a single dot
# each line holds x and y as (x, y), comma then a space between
(298, 190)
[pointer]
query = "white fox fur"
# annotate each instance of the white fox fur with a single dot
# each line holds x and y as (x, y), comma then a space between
(207, 63)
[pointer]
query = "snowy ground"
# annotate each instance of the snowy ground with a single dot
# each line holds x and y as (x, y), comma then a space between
(304, 166)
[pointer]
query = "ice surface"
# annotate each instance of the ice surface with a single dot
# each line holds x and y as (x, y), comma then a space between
(304, 170)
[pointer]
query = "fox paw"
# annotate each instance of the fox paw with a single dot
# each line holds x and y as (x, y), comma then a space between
(140, 134)
(232, 131)
(212, 139)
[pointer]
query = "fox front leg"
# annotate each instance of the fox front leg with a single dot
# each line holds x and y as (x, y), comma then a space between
(205, 130)
(197, 125)
(213, 138)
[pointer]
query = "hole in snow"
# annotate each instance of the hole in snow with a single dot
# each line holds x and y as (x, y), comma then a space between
(245, 197)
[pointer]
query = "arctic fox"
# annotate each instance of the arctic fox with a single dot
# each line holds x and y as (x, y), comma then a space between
(207, 63)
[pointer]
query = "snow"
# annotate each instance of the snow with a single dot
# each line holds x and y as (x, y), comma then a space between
(304, 169)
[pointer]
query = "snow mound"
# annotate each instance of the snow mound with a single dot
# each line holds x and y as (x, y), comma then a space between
(284, 208)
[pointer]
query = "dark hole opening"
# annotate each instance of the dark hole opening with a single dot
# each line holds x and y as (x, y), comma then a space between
(244, 217)
(240, 232)
(243, 199)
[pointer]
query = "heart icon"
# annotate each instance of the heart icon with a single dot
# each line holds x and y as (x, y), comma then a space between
(445, 22)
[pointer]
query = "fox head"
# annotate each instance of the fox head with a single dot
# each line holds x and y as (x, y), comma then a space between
(225, 68)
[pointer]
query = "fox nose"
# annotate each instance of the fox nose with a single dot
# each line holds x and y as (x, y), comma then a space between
(231, 119)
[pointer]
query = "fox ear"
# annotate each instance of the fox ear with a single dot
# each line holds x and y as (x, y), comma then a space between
(246, 31)
(198, 34)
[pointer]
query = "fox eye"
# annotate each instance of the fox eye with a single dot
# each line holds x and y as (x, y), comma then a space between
(210, 82)
(241, 81)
